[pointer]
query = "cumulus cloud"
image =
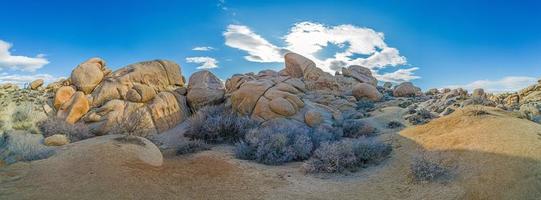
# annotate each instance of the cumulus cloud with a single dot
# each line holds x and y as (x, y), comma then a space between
(203, 49)
(359, 46)
(204, 62)
(21, 63)
(24, 79)
(258, 49)
(506, 84)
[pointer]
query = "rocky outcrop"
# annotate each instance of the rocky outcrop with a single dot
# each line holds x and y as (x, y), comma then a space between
(205, 89)
(151, 92)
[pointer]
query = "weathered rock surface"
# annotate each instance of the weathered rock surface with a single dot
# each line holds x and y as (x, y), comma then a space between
(75, 108)
(406, 89)
(56, 140)
(204, 89)
(63, 95)
(361, 74)
(368, 91)
(87, 75)
(34, 85)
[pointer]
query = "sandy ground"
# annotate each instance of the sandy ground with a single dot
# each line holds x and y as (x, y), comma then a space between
(495, 156)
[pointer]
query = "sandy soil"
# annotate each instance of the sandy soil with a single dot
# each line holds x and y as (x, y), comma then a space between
(495, 156)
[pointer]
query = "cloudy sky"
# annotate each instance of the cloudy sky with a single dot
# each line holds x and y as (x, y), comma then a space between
(491, 44)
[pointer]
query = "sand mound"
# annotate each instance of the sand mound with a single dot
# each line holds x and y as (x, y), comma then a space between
(497, 156)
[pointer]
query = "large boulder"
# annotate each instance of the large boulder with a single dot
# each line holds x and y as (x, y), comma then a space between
(368, 91)
(361, 74)
(63, 94)
(297, 66)
(167, 110)
(204, 89)
(406, 89)
(75, 108)
(34, 85)
(87, 75)
(531, 111)
(479, 93)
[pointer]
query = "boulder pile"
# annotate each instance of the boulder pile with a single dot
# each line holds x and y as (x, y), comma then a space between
(156, 92)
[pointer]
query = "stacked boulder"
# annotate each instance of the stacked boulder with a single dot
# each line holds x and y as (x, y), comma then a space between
(102, 99)
(301, 92)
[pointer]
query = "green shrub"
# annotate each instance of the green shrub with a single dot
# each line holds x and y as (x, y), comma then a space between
(218, 124)
(346, 155)
(23, 118)
(394, 124)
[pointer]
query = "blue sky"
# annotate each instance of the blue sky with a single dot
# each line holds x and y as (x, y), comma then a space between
(491, 44)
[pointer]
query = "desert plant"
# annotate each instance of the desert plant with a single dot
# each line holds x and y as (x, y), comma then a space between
(423, 169)
(136, 123)
(193, 146)
(394, 124)
(275, 144)
(22, 146)
(345, 155)
(24, 118)
(218, 124)
(475, 111)
(365, 105)
(75, 132)
(356, 128)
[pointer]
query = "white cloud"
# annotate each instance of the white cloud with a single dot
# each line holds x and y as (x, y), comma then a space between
(400, 75)
(24, 79)
(205, 62)
(258, 49)
(203, 48)
(361, 46)
(21, 63)
(506, 84)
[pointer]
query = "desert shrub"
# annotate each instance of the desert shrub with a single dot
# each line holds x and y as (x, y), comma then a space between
(394, 124)
(22, 146)
(365, 105)
(218, 124)
(75, 132)
(356, 128)
(475, 111)
(193, 146)
(275, 144)
(423, 169)
(325, 134)
(23, 118)
(421, 116)
(346, 155)
(136, 123)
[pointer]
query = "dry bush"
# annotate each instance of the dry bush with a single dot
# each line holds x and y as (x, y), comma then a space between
(275, 144)
(136, 123)
(75, 132)
(356, 128)
(346, 155)
(22, 146)
(193, 146)
(424, 169)
(218, 124)
(475, 111)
